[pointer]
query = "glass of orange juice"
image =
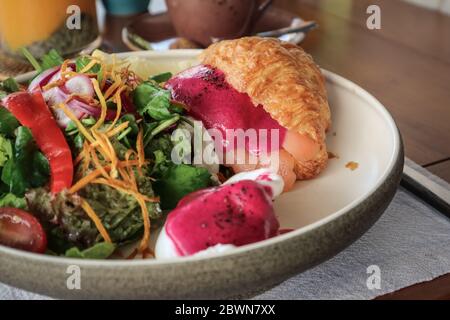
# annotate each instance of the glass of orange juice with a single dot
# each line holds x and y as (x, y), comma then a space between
(69, 26)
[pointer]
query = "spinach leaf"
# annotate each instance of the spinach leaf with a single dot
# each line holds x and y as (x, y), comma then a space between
(176, 181)
(162, 144)
(100, 250)
(14, 178)
(143, 94)
(162, 77)
(41, 170)
(8, 86)
(8, 123)
(5, 150)
(158, 106)
(152, 100)
(28, 167)
(10, 200)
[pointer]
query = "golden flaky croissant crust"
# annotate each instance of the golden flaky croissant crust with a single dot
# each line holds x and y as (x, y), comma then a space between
(283, 79)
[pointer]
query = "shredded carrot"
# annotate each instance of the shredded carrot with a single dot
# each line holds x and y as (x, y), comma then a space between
(69, 74)
(124, 174)
(97, 163)
(140, 147)
(132, 177)
(85, 180)
(103, 148)
(112, 153)
(146, 238)
(53, 84)
(64, 66)
(77, 122)
(89, 66)
(87, 157)
(103, 105)
(117, 129)
(95, 174)
(118, 100)
(113, 87)
(78, 159)
(98, 223)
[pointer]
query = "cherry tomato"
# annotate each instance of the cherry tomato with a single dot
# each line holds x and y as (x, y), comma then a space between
(21, 230)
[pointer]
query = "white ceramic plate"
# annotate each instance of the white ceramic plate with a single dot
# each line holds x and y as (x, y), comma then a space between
(328, 213)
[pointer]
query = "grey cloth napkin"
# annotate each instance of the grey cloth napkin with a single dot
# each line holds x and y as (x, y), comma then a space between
(408, 245)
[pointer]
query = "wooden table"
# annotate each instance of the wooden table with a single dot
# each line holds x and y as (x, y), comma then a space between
(405, 64)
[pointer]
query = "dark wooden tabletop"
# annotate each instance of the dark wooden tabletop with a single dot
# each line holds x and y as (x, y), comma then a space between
(405, 64)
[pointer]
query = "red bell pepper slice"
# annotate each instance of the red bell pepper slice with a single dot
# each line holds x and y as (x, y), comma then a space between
(31, 111)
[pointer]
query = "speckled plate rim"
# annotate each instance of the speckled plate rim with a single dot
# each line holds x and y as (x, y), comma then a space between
(331, 77)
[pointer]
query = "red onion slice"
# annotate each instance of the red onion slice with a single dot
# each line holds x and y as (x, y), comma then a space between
(43, 79)
(81, 85)
(78, 85)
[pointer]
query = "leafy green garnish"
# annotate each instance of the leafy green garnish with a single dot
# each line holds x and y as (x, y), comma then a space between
(8, 123)
(162, 77)
(153, 101)
(48, 61)
(100, 250)
(8, 86)
(28, 167)
(32, 60)
(5, 150)
(176, 181)
(73, 135)
(51, 59)
(83, 61)
(10, 200)
(158, 106)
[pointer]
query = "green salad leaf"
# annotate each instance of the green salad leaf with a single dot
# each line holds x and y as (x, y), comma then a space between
(176, 181)
(5, 150)
(7, 87)
(48, 61)
(27, 167)
(10, 85)
(10, 200)
(162, 77)
(101, 250)
(51, 59)
(119, 212)
(83, 61)
(152, 100)
(8, 123)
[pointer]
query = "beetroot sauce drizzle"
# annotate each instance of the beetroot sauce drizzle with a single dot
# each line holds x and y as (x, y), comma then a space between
(218, 105)
(240, 213)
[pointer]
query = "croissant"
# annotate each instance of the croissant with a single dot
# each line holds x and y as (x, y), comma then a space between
(284, 79)
(268, 76)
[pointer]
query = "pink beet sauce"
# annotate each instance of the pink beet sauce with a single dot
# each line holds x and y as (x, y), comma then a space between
(219, 106)
(238, 214)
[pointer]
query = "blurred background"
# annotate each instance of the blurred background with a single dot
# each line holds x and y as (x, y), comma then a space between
(405, 63)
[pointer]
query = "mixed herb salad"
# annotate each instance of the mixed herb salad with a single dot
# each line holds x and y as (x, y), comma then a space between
(85, 158)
